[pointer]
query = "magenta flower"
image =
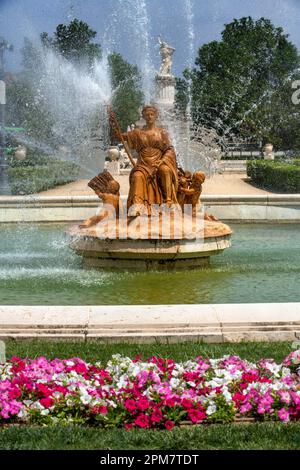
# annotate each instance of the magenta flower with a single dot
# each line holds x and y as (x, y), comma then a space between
(156, 416)
(143, 403)
(46, 402)
(283, 415)
(169, 425)
(130, 405)
(196, 416)
(142, 421)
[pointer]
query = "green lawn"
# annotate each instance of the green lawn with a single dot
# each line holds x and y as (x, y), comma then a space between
(93, 351)
(235, 436)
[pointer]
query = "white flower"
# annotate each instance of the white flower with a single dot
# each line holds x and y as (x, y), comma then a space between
(111, 403)
(27, 402)
(192, 384)
(285, 371)
(72, 387)
(73, 373)
(215, 382)
(214, 362)
(37, 406)
(219, 372)
(86, 399)
(227, 395)
(175, 382)
(45, 412)
(274, 368)
(70, 363)
(122, 381)
(211, 409)
(22, 413)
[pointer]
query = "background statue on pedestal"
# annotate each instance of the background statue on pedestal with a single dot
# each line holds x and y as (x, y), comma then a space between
(166, 53)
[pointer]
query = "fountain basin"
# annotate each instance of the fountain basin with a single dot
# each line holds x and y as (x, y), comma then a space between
(101, 250)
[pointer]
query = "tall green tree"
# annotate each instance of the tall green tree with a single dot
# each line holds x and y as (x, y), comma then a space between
(74, 42)
(32, 60)
(24, 109)
(239, 81)
(127, 86)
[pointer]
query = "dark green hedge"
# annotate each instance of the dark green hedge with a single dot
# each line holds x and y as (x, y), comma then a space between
(275, 176)
(31, 179)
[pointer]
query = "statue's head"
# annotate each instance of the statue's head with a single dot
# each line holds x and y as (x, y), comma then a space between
(150, 112)
(198, 177)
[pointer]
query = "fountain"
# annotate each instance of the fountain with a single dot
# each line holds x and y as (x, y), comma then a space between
(163, 224)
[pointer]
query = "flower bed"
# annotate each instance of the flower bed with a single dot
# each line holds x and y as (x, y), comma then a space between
(158, 393)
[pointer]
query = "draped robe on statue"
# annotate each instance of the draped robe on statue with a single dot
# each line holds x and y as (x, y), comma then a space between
(147, 183)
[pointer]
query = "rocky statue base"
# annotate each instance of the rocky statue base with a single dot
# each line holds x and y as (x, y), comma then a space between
(130, 247)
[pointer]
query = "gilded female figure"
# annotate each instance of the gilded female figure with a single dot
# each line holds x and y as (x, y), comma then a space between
(153, 180)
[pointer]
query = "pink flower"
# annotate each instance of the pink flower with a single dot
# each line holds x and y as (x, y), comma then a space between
(169, 425)
(142, 421)
(102, 409)
(128, 426)
(170, 402)
(296, 398)
(187, 404)
(284, 396)
(99, 409)
(61, 389)
(238, 397)
(46, 402)
(283, 415)
(250, 376)
(80, 368)
(196, 416)
(245, 408)
(130, 405)
(4, 413)
(14, 393)
(261, 410)
(156, 416)
(43, 389)
(18, 364)
(143, 403)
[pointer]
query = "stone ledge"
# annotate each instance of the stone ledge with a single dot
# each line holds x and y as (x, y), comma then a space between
(94, 200)
(231, 208)
(214, 323)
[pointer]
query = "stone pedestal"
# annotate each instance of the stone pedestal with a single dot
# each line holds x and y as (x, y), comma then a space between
(122, 249)
(165, 91)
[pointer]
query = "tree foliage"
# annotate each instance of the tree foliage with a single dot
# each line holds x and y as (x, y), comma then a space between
(25, 109)
(240, 83)
(128, 95)
(73, 41)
